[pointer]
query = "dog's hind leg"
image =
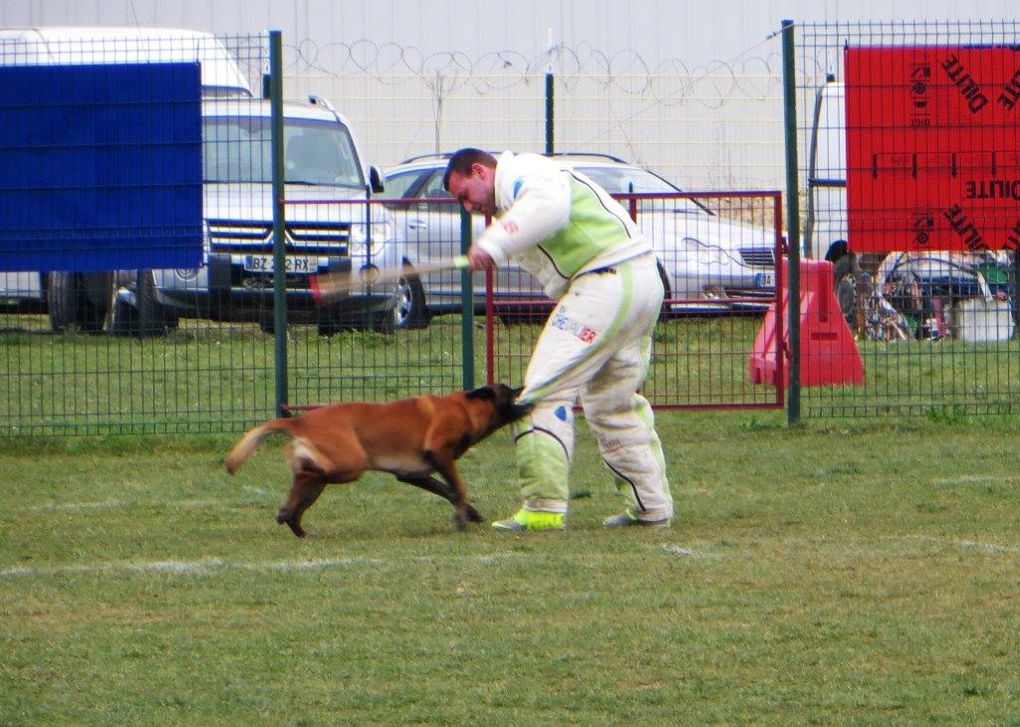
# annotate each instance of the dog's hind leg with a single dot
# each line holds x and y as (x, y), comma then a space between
(445, 491)
(303, 493)
(447, 467)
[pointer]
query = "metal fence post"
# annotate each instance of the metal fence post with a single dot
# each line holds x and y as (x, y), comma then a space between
(792, 222)
(467, 307)
(549, 108)
(279, 258)
(549, 98)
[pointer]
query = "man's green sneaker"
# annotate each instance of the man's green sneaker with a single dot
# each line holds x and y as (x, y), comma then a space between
(628, 518)
(532, 520)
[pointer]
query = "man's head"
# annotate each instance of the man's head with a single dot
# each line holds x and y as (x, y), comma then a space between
(471, 178)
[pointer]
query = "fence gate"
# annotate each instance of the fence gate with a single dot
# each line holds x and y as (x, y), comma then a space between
(718, 256)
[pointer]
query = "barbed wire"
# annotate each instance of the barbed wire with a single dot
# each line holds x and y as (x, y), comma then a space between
(668, 82)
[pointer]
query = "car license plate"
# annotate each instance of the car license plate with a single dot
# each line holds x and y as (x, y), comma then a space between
(294, 263)
(765, 280)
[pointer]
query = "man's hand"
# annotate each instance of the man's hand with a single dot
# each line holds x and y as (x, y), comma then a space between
(479, 259)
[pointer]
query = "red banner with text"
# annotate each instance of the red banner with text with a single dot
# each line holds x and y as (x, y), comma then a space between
(933, 149)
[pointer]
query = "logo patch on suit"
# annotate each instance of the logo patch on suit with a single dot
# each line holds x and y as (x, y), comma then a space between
(584, 332)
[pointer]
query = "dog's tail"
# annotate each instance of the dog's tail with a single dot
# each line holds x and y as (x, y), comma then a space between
(247, 444)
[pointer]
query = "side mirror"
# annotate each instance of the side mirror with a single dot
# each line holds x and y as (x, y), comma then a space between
(375, 180)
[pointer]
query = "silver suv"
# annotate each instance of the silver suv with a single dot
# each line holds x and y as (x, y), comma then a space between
(327, 230)
(331, 224)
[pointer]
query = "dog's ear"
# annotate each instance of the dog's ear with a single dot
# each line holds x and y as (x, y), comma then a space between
(482, 392)
(502, 397)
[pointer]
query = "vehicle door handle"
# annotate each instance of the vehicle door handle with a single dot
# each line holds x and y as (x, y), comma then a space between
(415, 223)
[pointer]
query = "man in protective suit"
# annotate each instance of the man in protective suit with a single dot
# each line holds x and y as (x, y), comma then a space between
(596, 345)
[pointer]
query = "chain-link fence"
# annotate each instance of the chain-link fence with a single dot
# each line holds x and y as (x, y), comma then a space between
(103, 220)
(131, 313)
(140, 302)
(932, 303)
(204, 307)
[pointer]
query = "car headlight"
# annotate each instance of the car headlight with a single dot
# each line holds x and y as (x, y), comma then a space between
(378, 233)
(704, 253)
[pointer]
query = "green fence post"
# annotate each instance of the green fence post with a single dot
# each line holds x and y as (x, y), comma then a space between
(549, 108)
(549, 98)
(792, 223)
(467, 307)
(279, 258)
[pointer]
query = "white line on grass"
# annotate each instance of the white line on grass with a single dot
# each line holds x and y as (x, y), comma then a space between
(74, 506)
(186, 567)
(209, 565)
(994, 548)
(986, 547)
(682, 551)
(973, 480)
(111, 504)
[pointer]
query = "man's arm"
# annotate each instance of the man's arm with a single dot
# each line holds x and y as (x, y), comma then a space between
(541, 207)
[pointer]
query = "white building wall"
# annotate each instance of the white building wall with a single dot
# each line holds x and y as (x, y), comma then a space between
(657, 30)
(691, 89)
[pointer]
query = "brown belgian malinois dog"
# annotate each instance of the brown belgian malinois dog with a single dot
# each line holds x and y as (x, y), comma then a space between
(411, 439)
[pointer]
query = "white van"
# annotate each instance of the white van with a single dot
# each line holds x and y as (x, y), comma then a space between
(825, 219)
(52, 46)
(235, 281)
(928, 294)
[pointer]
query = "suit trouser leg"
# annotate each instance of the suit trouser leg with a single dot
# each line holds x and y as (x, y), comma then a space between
(624, 426)
(596, 344)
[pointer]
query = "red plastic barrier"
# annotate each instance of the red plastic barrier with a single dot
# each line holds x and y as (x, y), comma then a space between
(828, 352)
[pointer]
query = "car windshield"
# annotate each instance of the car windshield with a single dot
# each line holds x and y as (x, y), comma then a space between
(238, 150)
(398, 185)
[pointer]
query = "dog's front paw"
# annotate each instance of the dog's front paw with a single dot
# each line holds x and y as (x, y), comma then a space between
(293, 522)
(474, 516)
(460, 523)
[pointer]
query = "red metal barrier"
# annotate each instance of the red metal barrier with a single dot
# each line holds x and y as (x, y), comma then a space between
(828, 352)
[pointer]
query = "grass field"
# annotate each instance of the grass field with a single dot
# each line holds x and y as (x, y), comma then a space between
(866, 575)
(215, 378)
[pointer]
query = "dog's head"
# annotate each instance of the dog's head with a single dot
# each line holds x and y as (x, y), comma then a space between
(502, 399)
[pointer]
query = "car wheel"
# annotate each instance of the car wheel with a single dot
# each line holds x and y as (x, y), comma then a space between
(410, 310)
(666, 292)
(383, 322)
(77, 302)
(147, 317)
(844, 283)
